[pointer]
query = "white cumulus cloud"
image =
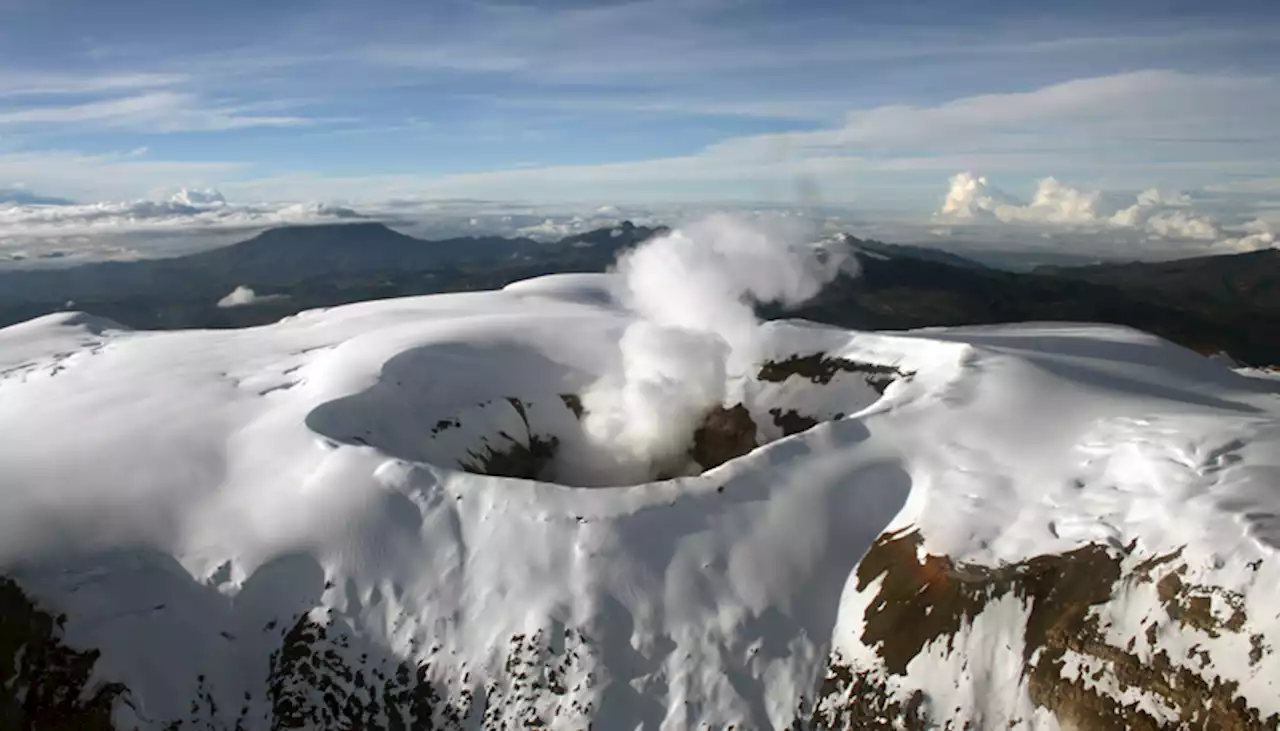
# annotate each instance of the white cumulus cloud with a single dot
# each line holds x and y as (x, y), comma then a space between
(243, 296)
(1166, 215)
(1255, 236)
(972, 199)
(199, 198)
(971, 196)
(1182, 224)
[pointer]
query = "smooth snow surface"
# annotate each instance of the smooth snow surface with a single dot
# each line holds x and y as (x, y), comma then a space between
(175, 492)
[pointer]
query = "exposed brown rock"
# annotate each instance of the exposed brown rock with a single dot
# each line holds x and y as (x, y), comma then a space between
(724, 435)
(1193, 605)
(924, 601)
(820, 370)
(863, 701)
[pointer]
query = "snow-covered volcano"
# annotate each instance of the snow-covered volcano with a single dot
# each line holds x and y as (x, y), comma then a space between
(505, 404)
(315, 524)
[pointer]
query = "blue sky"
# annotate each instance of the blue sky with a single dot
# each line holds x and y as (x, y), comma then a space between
(871, 104)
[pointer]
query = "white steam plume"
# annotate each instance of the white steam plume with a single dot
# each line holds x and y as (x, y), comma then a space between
(693, 293)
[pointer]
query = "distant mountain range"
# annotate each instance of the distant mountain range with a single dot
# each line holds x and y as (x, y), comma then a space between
(1221, 303)
(1225, 303)
(297, 268)
(288, 256)
(23, 197)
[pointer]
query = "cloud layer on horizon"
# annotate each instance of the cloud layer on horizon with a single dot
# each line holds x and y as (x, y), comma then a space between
(186, 210)
(1159, 215)
(65, 232)
(190, 220)
(974, 216)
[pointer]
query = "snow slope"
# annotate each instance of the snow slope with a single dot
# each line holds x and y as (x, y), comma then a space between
(272, 527)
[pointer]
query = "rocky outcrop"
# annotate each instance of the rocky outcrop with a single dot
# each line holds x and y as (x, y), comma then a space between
(320, 677)
(916, 606)
(44, 684)
(820, 369)
(792, 421)
(526, 457)
(1070, 667)
(518, 459)
(726, 433)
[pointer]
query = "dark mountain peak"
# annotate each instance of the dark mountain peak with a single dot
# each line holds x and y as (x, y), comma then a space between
(338, 225)
(328, 233)
(1245, 260)
(24, 197)
(313, 240)
(292, 253)
(613, 238)
(1203, 263)
(482, 239)
(1254, 273)
(870, 249)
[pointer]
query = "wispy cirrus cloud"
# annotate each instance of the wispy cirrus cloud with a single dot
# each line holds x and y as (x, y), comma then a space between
(158, 111)
(109, 176)
(1152, 107)
(640, 101)
(1135, 130)
(807, 107)
(711, 41)
(46, 84)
